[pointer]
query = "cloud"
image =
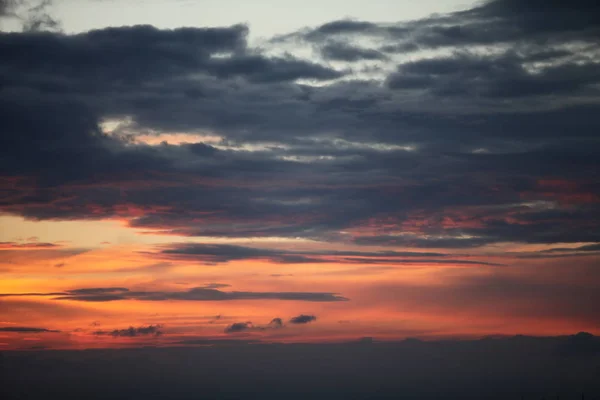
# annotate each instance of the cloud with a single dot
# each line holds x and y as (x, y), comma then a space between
(216, 285)
(503, 76)
(222, 253)
(585, 248)
(194, 294)
(261, 69)
(303, 319)
(276, 323)
(20, 329)
(29, 246)
(490, 23)
(239, 327)
(6, 7)
(345, 52)
(34, 15)
(588, 250)
(479, 141)
(150, 330)
(95, 291)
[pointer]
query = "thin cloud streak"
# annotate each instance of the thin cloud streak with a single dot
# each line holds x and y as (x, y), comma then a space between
(194, 294)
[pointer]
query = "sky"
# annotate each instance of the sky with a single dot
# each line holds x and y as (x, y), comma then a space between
(193, 172)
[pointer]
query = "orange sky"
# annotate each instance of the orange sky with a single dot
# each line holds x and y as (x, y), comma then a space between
(385, 301)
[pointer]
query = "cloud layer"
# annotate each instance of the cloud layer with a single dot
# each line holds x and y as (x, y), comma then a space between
(493, 140)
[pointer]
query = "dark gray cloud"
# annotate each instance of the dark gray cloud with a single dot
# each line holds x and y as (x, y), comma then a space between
(194, 294)
(6, 7)
(489, 135)
(558, 18)
(239, 327)
(588, 247)
(145, 54)
(303, 319)
(21, 245)
(276, 323)
(150, 330)
(221, 253)
(34, 15)
(261, 69)
(95, 291)
(344, 52)
(21, 329)
(452, 243)
(354, 260)
(491, 22)
(217, 253)
(503, 76)
(216, 285)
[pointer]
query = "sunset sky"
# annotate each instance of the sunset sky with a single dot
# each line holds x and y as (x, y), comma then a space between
(188, 172)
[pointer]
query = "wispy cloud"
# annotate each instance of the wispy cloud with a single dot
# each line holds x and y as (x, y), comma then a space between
(303, 319)
(21, 329)
(150, 330)
(194, 294)
(222, 253)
